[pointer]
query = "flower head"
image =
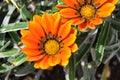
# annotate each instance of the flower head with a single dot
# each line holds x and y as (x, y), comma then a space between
(87, 13)
(48, 42)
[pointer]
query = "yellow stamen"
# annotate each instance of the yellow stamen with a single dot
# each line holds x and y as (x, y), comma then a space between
(51, 47)
(87, 11)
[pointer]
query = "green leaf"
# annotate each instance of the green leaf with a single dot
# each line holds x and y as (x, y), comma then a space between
(85, 45)
(115, 24)
(105, 72)
(60, 2)
(24, 70)
(2, 39)
(25, 13)
(71, 68)
(4, 68)
(13, 27)
(101, 42)
(19, 60)
(82, 52)
(15, 36)
(8, 53)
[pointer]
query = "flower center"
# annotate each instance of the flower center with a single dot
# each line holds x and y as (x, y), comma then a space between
(87, 11)
(51, 47)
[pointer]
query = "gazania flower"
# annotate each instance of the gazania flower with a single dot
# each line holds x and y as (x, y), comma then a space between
(87, 13)
(47, 42)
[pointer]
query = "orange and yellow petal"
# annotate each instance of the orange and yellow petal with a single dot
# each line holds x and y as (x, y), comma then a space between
(36, 29)
(30, 43)
(24, 33)
(106, 10)
(44, 63)
(57, 22)
(31, 52)
(100, 2)
(112, 1)
(65, 53)
(64, 30)
(37, 18)
(64, 62)
(47, 21)
(77, 21)
(54, 60)
(83, 26)
(70, 3)
(35, 58)
(61, 6)
(69, 13)
(91, 26)
(73, 31)
(74, 47)
(96, 21)
(69, 40)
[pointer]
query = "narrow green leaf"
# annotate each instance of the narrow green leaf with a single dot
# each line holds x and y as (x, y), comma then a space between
(101, 42)
(19, 60)
(13, 27)
(24, 70)
(15, 36)
(82, 52)
(2, 39)
(5, 67)
(86, 45)
(115, 24)
(105, 72)
(8, 53)
(6, 45)
(25, 13)
(71, 68)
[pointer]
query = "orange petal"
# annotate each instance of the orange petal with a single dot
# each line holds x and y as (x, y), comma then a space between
(64, 62)
(100, 2)
(70, 3)
(37, 18)
(73, 31)
(36, 65)
(91, 26)
(27, 38)
(77, 21)
(61, 6)
(54, 60)
(112, 1)
(74, 47)
(83, 26)
(69, 40)
(64, 30)
(36, 29)
(44, 63)
(24, 33)
(30, 43)
(35, 58)
(69, 13)
(106, 10)
(65, 53)
(47, 23)
(57, 22)
(96, 21)
(50, 61)
(31, 52)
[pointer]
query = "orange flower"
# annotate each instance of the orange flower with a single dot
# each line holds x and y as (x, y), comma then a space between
(87, 13)
(48, 43)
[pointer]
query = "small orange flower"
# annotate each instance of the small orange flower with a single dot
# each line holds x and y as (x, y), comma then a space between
(87, 13)
(48, 42)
